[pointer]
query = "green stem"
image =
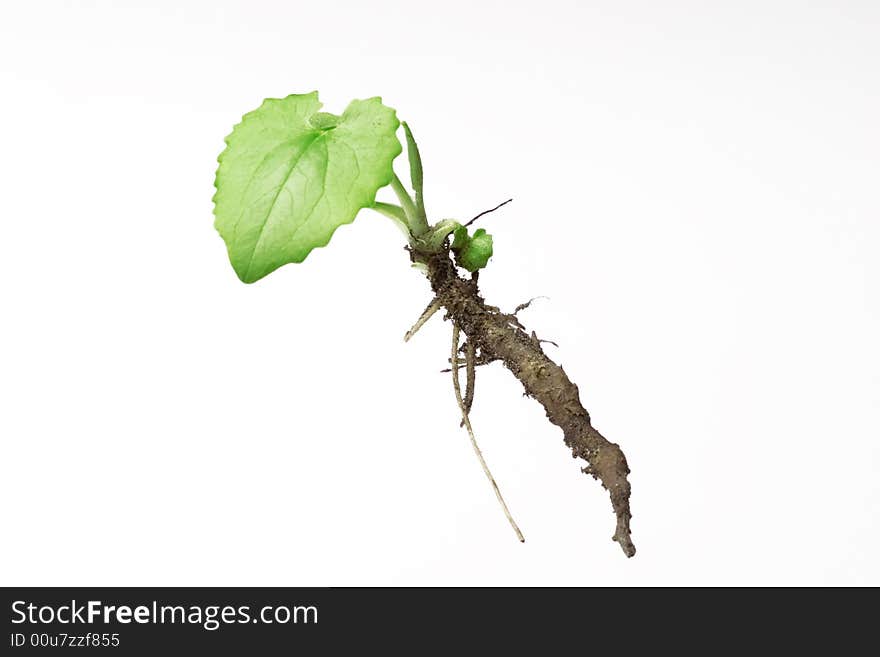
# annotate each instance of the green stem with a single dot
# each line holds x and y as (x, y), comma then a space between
(433, 241)
(396, 214)
(415, 171)
(417, 225)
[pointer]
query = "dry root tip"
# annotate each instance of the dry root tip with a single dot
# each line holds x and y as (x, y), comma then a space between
(528, 303)
(609, 466)
(621, 536)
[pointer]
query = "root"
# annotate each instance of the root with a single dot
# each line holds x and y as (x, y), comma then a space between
(528, 303)
(488, 211)
(432, 308)
(479, 361)
(500, 336)
(467, 423)
(471, 378)
(538, 341)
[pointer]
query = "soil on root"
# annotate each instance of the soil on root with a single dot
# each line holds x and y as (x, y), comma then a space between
(500, 336)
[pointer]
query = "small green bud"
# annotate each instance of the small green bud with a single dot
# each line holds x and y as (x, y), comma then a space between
(476, 251)
(459, 238)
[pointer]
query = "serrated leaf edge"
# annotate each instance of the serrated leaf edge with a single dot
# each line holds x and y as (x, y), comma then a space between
(387, 179)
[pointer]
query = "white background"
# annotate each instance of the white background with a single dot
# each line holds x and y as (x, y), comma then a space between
(696, 190)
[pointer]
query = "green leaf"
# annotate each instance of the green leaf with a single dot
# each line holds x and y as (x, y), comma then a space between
(324, 121)
(415, 171)
(459, 237)
(476, 252)
(291, 175)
